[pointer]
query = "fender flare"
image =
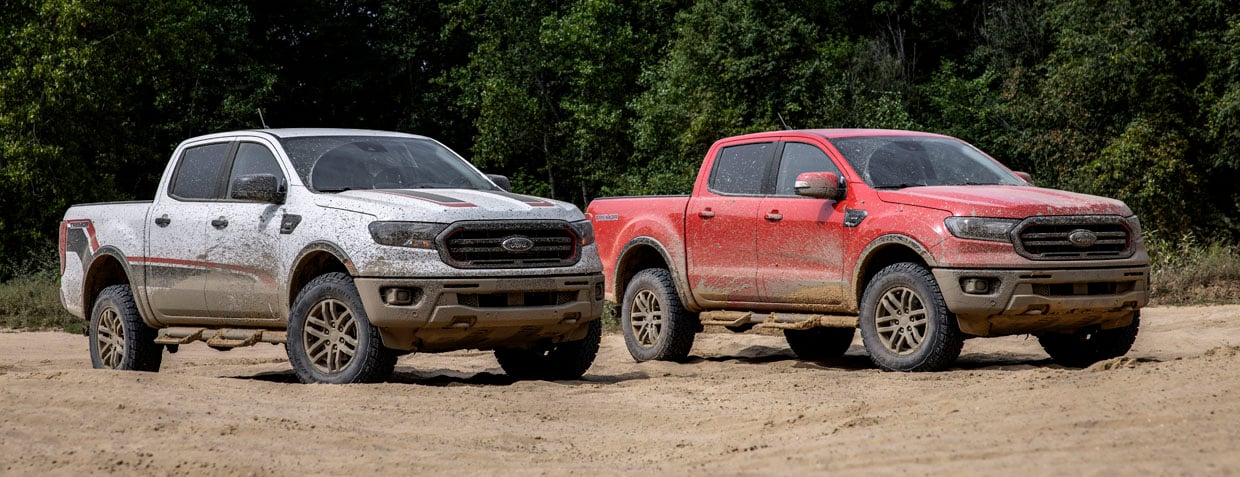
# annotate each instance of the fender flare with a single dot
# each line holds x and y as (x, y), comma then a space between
(871, 250)
(678, 275)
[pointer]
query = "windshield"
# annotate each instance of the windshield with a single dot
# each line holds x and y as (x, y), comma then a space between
(340, 163)
(896, 162)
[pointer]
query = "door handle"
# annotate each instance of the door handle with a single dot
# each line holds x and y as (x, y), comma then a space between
(219, 223)
(706, 214)
(163, 220)
(774, 216)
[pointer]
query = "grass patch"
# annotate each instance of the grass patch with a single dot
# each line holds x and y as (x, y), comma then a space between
(1186, 271)
(32, 302)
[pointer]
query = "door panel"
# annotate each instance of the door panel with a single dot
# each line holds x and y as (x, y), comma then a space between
(719, 236)
(801, 255)
(244, 260)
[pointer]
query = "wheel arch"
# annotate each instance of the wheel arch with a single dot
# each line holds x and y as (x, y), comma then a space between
(109, 267)
(315, 259)
(642, 253)
(883, 251)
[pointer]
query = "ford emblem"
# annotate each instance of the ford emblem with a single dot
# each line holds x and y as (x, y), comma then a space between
(517, 243)
(1081, 238)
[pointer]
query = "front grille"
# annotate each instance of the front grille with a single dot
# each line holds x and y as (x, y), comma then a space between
(482, 245)
(1091, 237)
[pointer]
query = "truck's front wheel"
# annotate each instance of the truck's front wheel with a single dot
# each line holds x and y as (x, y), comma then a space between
(562, 361)
(330, 339)
(1085, 348)
(904, 322)
(655, 325)
(119, 339)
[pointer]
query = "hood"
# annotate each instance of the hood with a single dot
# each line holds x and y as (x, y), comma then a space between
(1003, 201)
(449, 205)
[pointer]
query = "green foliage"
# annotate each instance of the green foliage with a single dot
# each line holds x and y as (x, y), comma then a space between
(31, 300)
(1189, 271)
(1133, 99)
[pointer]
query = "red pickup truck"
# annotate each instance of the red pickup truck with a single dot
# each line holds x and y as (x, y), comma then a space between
(920, 240)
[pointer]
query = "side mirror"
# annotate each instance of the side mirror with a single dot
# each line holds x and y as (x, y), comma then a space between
(819, 185)
(501, 181)
(257, 188)
(1024, 176)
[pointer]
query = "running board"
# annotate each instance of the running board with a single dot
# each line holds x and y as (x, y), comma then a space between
(745, 320)
(226, 338)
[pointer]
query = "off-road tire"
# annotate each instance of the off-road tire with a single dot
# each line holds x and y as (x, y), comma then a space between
(558, 362)
(664, 330)
(332, 310)
(904, 321)
(820, 344)
(1080, 350)
(119, 339)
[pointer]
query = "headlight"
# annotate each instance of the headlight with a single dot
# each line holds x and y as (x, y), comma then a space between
(981, 228)
(584, 231)
(406, 234)
(1135, 224)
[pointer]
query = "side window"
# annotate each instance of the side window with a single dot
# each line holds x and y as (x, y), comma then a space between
(741, 169)
(201, 171)
(254, 158)
(798, 159)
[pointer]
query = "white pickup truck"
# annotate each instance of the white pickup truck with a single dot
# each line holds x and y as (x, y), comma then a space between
(350, 247)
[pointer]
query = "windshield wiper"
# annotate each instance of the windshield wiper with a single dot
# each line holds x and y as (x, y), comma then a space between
(336, 189)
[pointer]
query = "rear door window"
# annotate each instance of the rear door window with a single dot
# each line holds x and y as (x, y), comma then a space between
(200, 174)
(741, 170)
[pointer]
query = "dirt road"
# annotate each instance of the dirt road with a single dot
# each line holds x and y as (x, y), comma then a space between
(743, 405)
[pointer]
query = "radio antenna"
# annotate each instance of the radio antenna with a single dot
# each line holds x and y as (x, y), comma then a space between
(781, 121)
(261, 120)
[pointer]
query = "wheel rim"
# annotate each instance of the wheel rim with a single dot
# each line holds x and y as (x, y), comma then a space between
(646, 318)
(330, 336)
(901, 319)
(110, 338)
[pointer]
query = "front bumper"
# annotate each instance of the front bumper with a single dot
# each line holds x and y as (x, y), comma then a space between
(1044, 301)
(444, 314)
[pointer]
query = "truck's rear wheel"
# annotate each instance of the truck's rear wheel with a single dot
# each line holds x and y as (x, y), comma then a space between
(330, 339)
(820, 344)
(904, 322)
(558, 362)
(1082, 349)
(654, 324)
(119, 339)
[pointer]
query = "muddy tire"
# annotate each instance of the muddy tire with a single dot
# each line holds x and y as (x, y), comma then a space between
(820, 344)
(330, 339)
(559, 362)
(904, 321)
(119, 339)
(1080, 350)
(654, 324)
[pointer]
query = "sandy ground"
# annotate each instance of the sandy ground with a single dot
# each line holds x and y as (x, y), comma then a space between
(742, 405)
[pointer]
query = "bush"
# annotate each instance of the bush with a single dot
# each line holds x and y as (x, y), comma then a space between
(1189, 272)
(30, 300)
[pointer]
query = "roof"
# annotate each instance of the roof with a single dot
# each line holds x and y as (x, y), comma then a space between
(307, 132)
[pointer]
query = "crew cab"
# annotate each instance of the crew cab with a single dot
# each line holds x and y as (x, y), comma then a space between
(920, 240)
(350, 247)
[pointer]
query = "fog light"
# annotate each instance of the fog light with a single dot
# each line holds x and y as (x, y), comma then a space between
(398, 296)
(975, 286)
(598, 291)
